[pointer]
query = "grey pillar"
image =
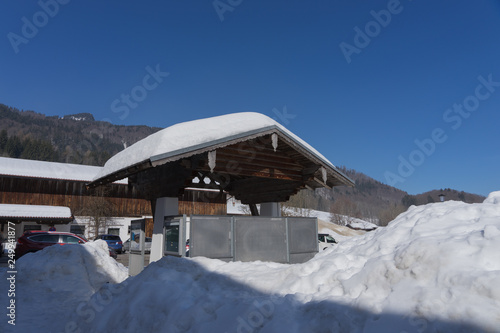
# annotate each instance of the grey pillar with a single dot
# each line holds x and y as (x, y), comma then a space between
(270, 209)
(163, 207)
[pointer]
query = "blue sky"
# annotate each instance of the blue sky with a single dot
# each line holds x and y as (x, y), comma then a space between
(407, 92)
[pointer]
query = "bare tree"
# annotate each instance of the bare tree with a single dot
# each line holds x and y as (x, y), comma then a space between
(389, 214)
(99, 211)
(343, 211)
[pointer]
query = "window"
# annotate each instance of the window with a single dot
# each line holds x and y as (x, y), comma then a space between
(330, 239)
(28, 227)
(77, 229)
(114, 231)
(68, 239)
(112, 238)
(45, 238)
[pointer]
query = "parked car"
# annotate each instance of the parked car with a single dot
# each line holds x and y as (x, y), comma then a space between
(147, 245)
(33, 241)
(36, 240)
(325, 241)
(114, 242)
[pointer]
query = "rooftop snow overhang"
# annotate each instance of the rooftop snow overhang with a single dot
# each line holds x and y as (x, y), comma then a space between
(263, 153)
(35, 213)
(23, 168)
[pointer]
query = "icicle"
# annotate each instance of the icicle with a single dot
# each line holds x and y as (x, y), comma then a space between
(323, 173)
(211, 160)
(274, 139)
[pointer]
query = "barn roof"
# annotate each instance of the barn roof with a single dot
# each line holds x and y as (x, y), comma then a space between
(240, 153)
(38, 213)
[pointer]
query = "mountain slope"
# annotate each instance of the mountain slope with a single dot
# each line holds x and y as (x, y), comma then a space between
(77, 138)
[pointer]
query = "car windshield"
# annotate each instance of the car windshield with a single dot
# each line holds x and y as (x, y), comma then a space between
(330, 239)
(111, 237)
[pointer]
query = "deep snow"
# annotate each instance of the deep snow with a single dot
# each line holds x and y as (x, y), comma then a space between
(435, 268)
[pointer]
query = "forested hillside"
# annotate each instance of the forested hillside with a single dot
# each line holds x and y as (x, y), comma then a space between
(372, 200)
(76, 138)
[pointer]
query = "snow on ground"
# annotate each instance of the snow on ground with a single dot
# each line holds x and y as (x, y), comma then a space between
(435, 268)
(50, 284)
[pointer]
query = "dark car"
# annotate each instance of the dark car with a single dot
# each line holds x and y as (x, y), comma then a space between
(114, 242)
(32, 241)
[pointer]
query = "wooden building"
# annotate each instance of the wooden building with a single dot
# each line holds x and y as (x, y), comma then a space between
(31, 182)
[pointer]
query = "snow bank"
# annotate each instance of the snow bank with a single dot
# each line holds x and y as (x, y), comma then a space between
(360, 224)
(493, 198)
(52, 282)
(434, 268)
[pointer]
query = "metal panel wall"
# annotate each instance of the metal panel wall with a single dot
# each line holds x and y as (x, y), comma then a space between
(260, 238)
(211, 236)
(302, 235)
(251, 238)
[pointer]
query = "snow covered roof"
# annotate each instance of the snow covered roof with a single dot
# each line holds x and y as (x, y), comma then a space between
(51, 170)
(35, 212)
(200, 136)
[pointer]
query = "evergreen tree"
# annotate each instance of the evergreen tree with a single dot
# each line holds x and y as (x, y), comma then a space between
(14, 147)
(408, 200)
(3, 140)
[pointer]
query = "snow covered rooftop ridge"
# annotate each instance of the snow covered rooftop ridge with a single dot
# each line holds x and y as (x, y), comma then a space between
(50, 170)
(34, 211)
(197, 134)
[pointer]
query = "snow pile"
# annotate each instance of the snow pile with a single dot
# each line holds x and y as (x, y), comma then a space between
(356, 223)
(52, 282)
(493, 198)
(434, 268)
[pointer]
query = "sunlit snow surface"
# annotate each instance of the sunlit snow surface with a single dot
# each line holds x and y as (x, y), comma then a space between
(435, 268)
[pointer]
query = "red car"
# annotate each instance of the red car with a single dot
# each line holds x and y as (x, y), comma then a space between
(32, 241)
